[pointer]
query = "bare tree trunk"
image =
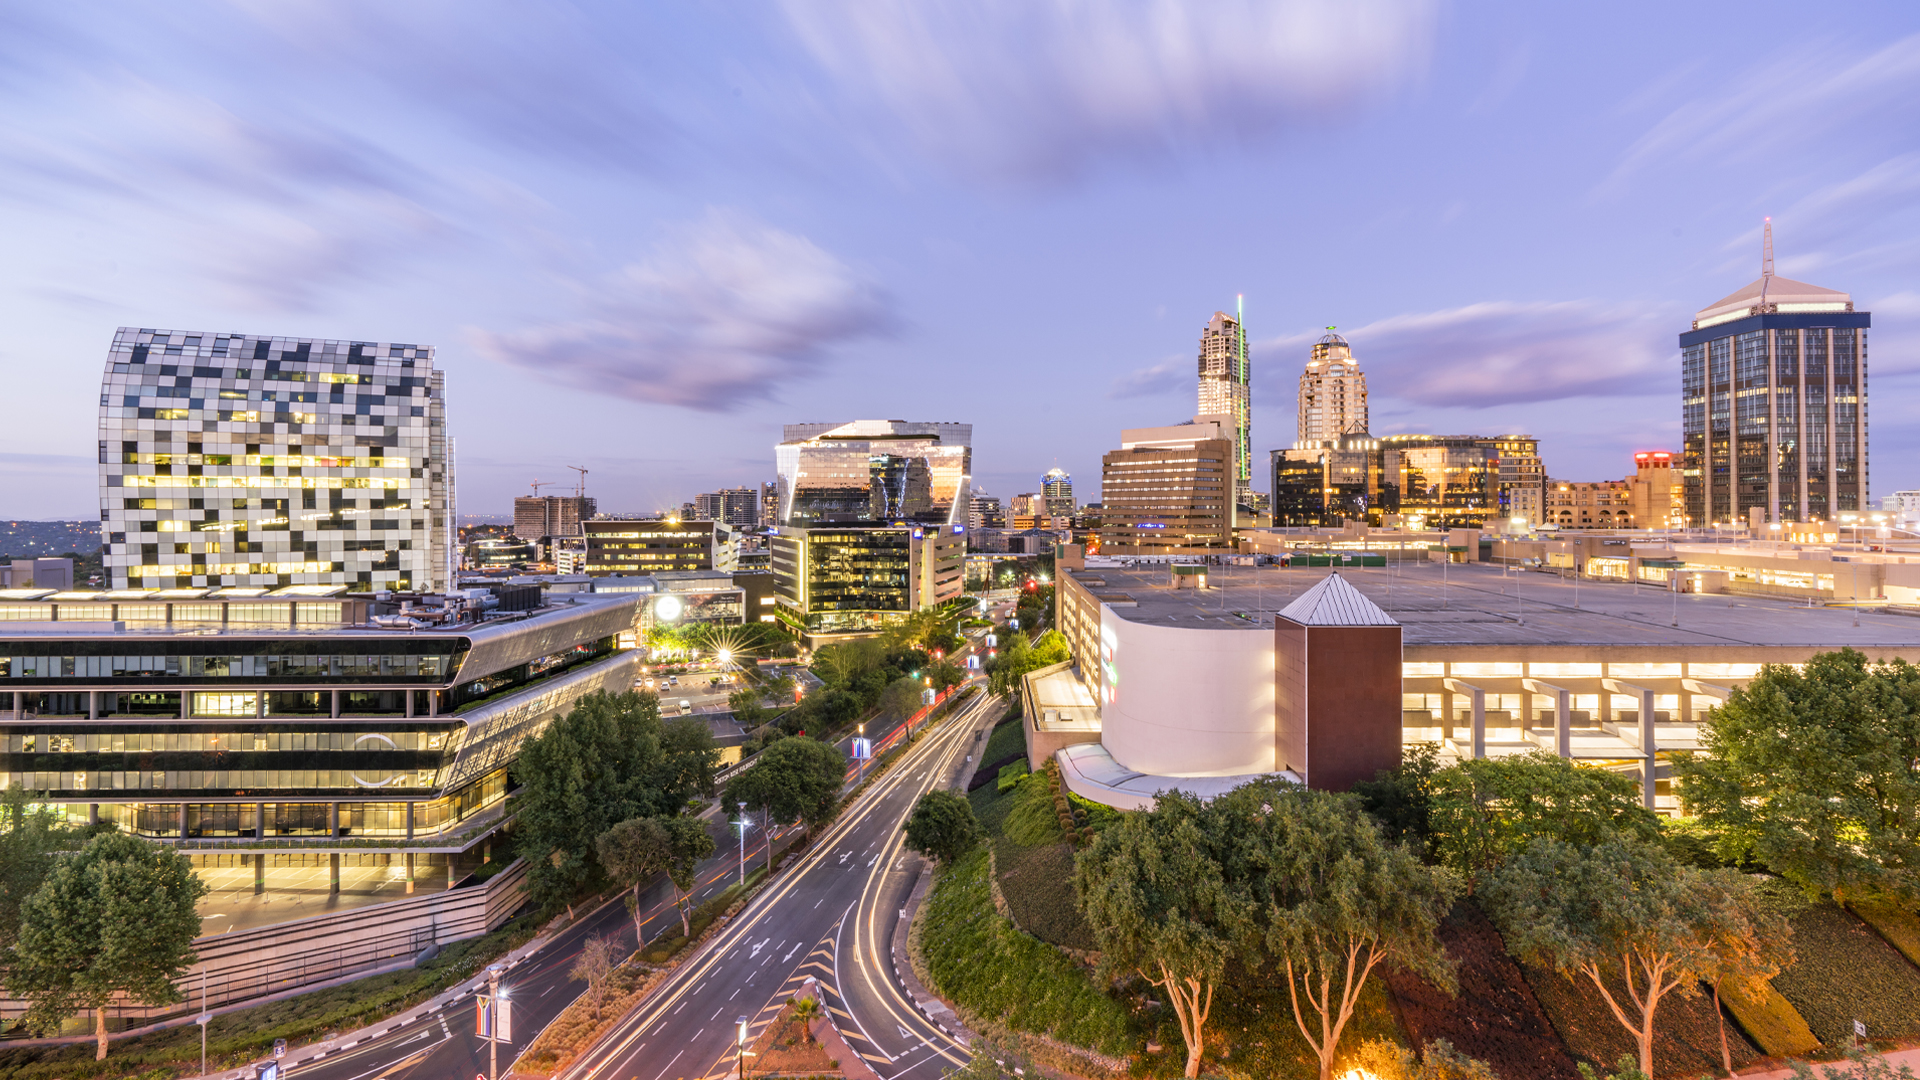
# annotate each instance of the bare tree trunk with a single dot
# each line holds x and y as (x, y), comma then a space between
(100, 1031)
(1726, 1056)
(686, 921)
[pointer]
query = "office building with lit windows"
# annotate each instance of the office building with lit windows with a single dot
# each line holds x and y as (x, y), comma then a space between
(1056, 492)
(851, 580)
(639, 547)
(1169, 490)
(1333, 392)
(874, 471)
(247, 461)
(1773, 386)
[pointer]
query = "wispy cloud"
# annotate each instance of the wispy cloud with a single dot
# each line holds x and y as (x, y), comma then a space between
(1777, 103)
(1499, 353)
(1042, 91)
(1160, 378)
(726, 311)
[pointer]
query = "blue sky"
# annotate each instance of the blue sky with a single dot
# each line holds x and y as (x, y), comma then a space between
(644, 236)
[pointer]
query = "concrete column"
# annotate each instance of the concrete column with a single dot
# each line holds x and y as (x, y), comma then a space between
(333, 872)
(410, 806)
(183, 821)
(409, 696)
(1479, 700)
(93, 704)
(259, 821)
(93, 813)
(259, 704)
(1446, 715)
(186, 704)
(409, 873)
(259, 874)
(451, 877)
(336, 704)
(1649, 739)
(333, 822)
(1562, 713)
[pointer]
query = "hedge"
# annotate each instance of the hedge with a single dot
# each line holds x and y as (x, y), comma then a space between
(1843, 972)
(1772, 1022)
(1899, 926)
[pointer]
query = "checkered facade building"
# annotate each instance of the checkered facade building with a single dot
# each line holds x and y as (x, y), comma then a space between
(240, 460)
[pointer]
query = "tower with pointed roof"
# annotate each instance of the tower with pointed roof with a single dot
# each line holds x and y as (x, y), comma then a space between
(1773, 387)
(1333, 393)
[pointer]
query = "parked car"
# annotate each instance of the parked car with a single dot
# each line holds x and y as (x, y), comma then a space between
(686, 707)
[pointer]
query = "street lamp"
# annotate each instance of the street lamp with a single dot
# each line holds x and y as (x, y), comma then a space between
(742, 1047)
(744, 825)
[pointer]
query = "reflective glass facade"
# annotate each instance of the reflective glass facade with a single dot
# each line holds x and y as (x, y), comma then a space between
(874, 472)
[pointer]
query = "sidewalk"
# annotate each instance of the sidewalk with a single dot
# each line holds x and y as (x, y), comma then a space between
(1894, 1058)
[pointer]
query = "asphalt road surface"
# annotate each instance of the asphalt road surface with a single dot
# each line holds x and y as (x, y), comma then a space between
(831, 915)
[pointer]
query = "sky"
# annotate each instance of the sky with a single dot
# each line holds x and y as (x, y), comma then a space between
(643, 236)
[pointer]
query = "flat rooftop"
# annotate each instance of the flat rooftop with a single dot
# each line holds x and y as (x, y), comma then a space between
(1485, 604)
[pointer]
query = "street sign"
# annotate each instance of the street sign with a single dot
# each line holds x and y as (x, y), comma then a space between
(267, 1071)
(862, 749)
(1859, 1030)
(279, 1048)
(927, 696)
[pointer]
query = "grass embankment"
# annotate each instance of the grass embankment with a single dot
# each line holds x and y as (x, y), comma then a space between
(1686, 1029)
(993, 970)
(248, 1034)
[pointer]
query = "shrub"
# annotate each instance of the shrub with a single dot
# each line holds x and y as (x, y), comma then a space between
(1899, 926)
(1772, 1023)
(1843, 971)
(1010, 774)
(1033, 820)
(1037, 883)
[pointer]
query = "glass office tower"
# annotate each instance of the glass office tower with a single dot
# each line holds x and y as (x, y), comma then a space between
(241, 460)
(874, 472)
(1774, 405)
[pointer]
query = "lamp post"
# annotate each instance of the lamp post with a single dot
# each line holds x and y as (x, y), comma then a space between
(741, 1047)
(495, 997)
(744, 824)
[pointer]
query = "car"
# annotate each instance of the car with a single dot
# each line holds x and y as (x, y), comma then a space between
(685, 706)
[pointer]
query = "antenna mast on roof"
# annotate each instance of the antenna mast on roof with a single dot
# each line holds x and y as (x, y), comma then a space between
(1766, 251)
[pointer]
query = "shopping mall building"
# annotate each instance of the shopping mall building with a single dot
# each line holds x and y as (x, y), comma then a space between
(1198, 677)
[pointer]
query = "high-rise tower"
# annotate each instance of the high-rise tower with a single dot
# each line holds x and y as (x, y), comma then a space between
(1225, 388)
(1333, 392)
(1773, 388)
(1056, 489)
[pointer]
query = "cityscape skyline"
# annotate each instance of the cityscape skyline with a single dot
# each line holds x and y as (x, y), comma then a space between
(1555, 315)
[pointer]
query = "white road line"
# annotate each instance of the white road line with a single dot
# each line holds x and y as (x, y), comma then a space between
(668, 1065)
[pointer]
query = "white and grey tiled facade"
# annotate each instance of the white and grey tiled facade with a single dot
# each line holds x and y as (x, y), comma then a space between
(241, 460)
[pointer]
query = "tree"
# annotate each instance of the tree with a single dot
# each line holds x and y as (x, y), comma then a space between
(592, 967)
(688, 842)
(902, 697)
(747, 710)
(1812, 774)
(1340, 901)
(806, 1010)
(1623, 908)
(1155, 893)
(30, 836)
(1482, 811)
(607, 761)
(1401, 799)
(942, 826)
(631, 853)
(117, 917)
(946, 675)
(793, 780)
(1018, 658)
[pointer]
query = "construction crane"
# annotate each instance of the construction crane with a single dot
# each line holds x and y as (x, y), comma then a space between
(538, 484)
(580, 489)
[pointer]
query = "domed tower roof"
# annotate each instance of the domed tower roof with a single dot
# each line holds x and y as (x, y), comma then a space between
(1331, 346)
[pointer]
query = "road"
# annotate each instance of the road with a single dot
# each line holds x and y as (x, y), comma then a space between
(812, 903)
(831, 917)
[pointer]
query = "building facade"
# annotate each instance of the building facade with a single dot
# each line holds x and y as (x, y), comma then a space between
(1169, 490)
(1056, 493)
(637, 548)
(1333, 393)
(1522, 482)
(1774, 404)
(1447, 481)
(241, 460)
(537, 517)
(985, 513)
(874, 472)
(1332, 481)
(830, 581)
(1226, 389)
(1599, 504)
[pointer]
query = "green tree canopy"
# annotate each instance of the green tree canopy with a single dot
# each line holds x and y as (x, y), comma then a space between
(688, 842)
(1338, 901)
(117, 917)
(942, 826)
(609, 760)
(793, 780)
(746, 707)
(1623, 909)
(631, 853)
(30, 836)
(1017, 658)
(1816, 774)
(1480, 812)
(1154, 890)
(1401, 799)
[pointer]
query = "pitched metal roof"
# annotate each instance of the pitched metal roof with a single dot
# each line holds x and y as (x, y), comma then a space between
(1333, 602)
